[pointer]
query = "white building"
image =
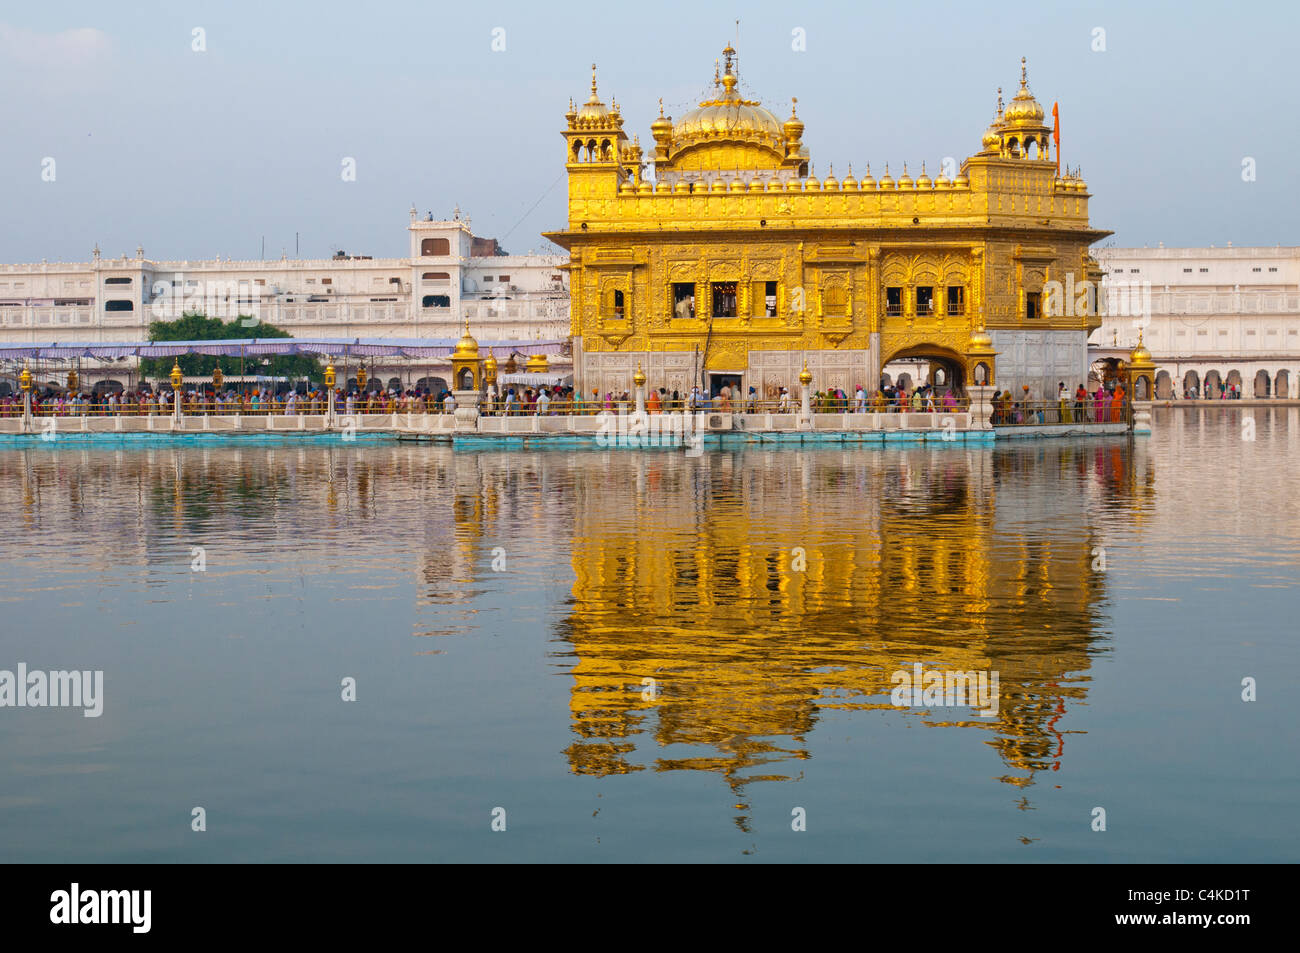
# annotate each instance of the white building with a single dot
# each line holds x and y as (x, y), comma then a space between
(1226, 315)
(449, 276)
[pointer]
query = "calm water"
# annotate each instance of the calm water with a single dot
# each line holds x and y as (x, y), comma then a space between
(499, 612)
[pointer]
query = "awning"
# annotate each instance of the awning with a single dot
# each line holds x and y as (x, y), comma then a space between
(331, 347)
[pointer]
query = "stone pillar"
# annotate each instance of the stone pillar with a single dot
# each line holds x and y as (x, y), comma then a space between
(640, 398)
(466, 415)
(27, 411)
(329, 410)
(981, 407)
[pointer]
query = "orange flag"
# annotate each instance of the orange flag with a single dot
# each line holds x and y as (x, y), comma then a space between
(1056, 134)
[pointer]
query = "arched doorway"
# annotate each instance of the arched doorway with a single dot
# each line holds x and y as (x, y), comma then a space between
(1262, 383)
(947, 369)
(1213, 384)
(1282, 384)
(431, 385)
(1164, 386)
(1233, 382)
(1192, 385)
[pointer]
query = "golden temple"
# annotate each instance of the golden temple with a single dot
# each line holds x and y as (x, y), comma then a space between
(723, 260)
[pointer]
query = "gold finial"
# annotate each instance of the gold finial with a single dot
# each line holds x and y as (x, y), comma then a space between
(850, 170)
(999, 102)
(794, 101)
(831, 166)
(1024, 73)
(717, 77)
(728, 53)
(661, 107)
(593, 80)
(805, 376)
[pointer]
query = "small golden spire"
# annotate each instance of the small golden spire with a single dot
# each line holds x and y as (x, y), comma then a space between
(794, 101)
(661, 107)
(999, 102)
(593, 80)
(717, 76)
(1024, 73)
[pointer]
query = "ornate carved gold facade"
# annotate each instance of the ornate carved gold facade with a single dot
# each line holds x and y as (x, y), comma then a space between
(736, 248)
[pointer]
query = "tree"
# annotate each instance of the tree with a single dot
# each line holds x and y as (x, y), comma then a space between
(193, 326)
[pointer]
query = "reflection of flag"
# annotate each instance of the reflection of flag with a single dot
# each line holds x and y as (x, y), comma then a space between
(1056, 134)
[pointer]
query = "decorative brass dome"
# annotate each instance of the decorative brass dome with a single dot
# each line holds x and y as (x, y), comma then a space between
(466, 347)
(729, 116)
(537, 364)
(593, 111)
(1024, 109)
(805, 375)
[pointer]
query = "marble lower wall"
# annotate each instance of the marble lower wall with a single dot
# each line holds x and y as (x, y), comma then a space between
(1041, 359)
(766, 371)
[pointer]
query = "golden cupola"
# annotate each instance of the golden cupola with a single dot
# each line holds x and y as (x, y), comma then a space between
(593, 113)
(1024, 109)
(727, 132)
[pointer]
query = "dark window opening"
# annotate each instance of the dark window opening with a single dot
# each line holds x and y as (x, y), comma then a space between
(957, 300)
(1032, 307)
(769, 299)
(119, 306)
(894, 301)
(436, 301)
(925, 300)
(724, 299)
(683, 300)
(117, 281)
(618, 304)
(435, 246)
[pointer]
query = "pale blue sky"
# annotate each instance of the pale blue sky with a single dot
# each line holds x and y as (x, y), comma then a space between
(201, 154)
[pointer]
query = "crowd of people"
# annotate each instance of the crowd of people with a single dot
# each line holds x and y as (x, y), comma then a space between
(1008, 408)
(1101, 406)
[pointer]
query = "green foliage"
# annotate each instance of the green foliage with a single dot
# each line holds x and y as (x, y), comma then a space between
(193, 326)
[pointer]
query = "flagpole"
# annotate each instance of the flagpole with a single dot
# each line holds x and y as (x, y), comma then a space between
(1056, 135)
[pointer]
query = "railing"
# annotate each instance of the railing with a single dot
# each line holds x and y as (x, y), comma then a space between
(1037, 413)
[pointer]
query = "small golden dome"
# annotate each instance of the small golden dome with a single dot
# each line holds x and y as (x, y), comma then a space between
(466, 347)
(980, 340)
(868, 183)
(639, 377)
(849, 184)
(905, 180)
(593, 110)
(830, 183)
(491, 362)
(662, 127)
(886, 180)
(537, 364)
(793, 127)
(1024, 109)
(805, 376)
(924, 181)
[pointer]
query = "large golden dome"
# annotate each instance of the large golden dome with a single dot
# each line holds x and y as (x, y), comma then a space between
(730, 117)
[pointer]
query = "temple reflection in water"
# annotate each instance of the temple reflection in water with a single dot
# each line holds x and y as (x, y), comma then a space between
(948, 558)
(657, 565)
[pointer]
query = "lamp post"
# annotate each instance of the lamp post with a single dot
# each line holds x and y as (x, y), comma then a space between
(176, 377)
(639, 380)
(25, 382)
(805, 398)
(329, 395)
